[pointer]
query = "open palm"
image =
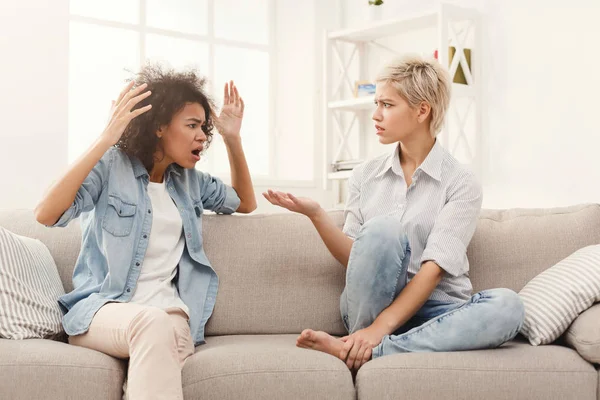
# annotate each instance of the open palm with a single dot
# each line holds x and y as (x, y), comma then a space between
(302, 205)
(229, 122)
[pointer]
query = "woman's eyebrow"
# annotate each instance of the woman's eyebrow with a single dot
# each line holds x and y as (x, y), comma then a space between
(199, 121)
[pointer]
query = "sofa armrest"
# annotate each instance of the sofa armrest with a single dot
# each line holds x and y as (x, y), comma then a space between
(584, 334)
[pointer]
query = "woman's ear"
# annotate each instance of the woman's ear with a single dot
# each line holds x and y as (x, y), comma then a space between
(160, 132)
(424, 111)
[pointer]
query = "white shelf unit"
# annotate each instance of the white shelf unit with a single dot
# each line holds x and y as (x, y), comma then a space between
(338, 109)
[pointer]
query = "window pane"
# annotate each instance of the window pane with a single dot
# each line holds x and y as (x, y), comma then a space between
(177, 53)
(98, 57)
(189, 16)
(114, 10)
(246, 21)
(253, 84)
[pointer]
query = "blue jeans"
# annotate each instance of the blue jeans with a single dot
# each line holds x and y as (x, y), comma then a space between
(377, 273)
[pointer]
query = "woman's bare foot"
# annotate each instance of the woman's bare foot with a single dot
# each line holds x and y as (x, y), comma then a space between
(321, 341)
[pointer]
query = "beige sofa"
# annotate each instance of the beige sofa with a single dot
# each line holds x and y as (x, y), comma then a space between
(276, 278)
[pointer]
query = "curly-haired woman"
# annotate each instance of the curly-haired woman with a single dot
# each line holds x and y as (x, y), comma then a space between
(143, 286)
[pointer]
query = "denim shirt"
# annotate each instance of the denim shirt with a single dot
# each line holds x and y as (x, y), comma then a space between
(116, 217)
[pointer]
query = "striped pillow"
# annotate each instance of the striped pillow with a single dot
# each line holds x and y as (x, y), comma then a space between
(29, 289)
(554, 298)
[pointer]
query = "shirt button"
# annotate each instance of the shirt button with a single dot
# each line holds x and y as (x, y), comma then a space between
(137, 264)
(149, 211)
(128, 290)
(189, 235)
(145, 236)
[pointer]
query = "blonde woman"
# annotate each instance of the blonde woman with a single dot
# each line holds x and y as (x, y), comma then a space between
(409, 218)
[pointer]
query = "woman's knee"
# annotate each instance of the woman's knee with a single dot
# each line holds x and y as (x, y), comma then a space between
(153, 325)
(509, 307)
(382, 230)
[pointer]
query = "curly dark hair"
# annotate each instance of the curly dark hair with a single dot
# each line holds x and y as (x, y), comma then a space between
(171, 91)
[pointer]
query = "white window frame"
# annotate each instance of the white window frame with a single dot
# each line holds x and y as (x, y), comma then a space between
(270, 48)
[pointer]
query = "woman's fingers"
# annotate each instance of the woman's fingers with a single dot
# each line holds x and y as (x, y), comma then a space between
(367, 355)
(124, 103)
(360, 354)
(273, 199)
(125, 90)
(242, 104)
(133, 101)
(352, 354)
(236, 95)
(269, 198)
(226, 93)
(346, 348)
(139, 111)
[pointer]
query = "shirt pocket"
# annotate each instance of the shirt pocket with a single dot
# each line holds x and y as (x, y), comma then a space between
(119, 216)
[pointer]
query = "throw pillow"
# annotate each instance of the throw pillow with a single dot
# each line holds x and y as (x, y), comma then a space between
(555, 297)
(584, 334)
(29, 289)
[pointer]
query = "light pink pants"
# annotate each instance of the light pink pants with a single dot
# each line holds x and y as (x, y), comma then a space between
(157, 343)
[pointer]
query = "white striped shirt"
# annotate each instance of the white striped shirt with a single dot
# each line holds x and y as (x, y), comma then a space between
(439, 212)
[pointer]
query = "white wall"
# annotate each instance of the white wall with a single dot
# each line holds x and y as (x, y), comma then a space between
(542, 88)
(33, 105)
(541, 138)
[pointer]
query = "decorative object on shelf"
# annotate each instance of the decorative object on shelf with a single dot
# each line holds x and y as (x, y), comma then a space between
(345, 165)
(459, 75)
(375, 10)
(364, 88)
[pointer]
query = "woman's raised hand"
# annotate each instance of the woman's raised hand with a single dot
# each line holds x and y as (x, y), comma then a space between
(121, 114)
(302, 205)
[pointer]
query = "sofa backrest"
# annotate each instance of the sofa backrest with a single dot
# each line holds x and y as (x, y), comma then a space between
(276, 276)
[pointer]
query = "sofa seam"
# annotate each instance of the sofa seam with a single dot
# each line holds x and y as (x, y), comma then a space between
(541, 215)
(261, 372)
(573, 336)
(59, 366)
(483, 370)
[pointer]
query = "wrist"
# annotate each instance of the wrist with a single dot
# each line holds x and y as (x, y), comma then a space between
(104, 141)
(232, 139)
(383, 325)
(317, 215)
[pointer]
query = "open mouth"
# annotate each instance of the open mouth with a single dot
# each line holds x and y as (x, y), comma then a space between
(196, 152)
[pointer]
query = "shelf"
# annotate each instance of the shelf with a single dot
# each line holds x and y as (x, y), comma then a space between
(380, 29)
(360, 103)
(340, 174)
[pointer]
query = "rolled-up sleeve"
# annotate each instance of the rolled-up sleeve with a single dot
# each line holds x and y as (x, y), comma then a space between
(352, 215)
(454, 227)
(216, 195)
(89, 191)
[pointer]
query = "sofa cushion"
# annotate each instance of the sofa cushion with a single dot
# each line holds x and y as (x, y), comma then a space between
(264, 367)
(554, 298)
(275, 275)
(29, 289)
(46, 369)
(584, 334)
(510, 247)
(516, 370)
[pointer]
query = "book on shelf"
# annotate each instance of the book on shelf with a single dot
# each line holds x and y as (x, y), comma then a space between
(345, 165)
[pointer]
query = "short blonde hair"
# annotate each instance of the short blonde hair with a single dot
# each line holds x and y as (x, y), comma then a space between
(418, 80)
